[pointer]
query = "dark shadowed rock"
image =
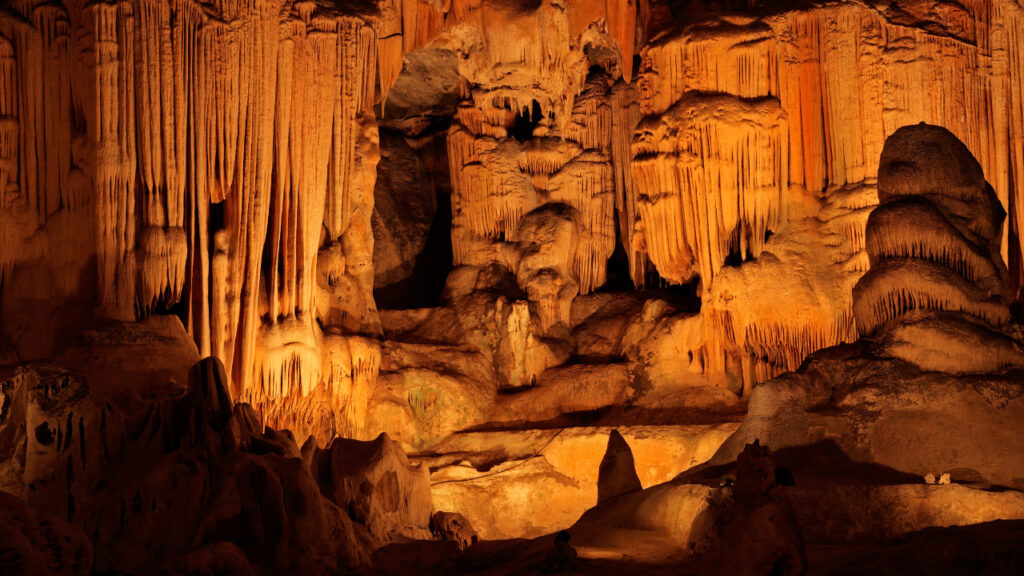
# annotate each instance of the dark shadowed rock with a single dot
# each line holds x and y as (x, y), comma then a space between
(453, 527)
(34, 543)
(617, 473)
(375, 482)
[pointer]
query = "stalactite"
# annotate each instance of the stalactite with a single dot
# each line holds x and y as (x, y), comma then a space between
(160, 103)
(586, 185)
(214, 147)
(710, 176)
(490, 193)
(338, 405)
(389, 47)
(38, 122)
(845, 77)
(110, 117)
(323, 169)
(1008, 117)
(625, 118)
(497, 180)
(422, 21)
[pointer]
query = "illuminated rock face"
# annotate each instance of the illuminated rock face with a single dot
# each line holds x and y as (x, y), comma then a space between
(617, 474)
(862, 430)
(543, 208)
(220, 163)
(936, 294)
(218, 159)
(787, 111)
(934, 382)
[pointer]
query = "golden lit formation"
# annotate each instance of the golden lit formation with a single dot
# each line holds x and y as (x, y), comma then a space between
(511, 286)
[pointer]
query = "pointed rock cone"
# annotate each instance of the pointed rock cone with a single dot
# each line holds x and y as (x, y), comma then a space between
(617, 473)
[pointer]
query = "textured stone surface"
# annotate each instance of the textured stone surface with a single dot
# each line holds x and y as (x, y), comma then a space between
(625, 215)
(184, 478)
(39, 544)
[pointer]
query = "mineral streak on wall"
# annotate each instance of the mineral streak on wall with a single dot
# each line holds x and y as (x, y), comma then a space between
(218, 149)
(841, 78)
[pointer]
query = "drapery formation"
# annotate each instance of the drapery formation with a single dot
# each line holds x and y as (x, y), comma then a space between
(217, 149)
(830, 83)
(217, 160)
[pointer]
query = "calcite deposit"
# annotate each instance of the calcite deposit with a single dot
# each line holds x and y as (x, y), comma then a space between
(507, 286)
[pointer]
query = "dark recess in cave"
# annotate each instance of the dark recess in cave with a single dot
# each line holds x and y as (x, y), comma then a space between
(618, 277)
(423, 287)
(684, 297)
(522, 128)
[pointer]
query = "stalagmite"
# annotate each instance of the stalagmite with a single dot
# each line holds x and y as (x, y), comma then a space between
(617, 473)
(844, 77)
(625, 117)
(937, 285)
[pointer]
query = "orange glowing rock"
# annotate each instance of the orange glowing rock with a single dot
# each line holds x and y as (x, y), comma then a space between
(936, 294)
(219, 162)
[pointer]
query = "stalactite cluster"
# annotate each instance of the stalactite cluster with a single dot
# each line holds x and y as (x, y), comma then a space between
(218, 149)
(709, 174)
(497, 180)
(218, 160)
(521, 47)
(847, 76)
(842, 78)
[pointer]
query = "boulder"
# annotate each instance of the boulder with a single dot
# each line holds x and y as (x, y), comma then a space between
(453, 527)
(375, 482)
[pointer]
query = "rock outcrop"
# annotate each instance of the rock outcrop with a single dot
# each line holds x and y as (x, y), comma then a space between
(453, 527)
(190, 481)
(164, 154)
(377, 485)
(35, 543)
(617, 473)
(765, 196)
(937, 293)
(934, 385)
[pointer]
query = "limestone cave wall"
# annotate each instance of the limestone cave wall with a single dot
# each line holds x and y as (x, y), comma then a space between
(218, 161)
